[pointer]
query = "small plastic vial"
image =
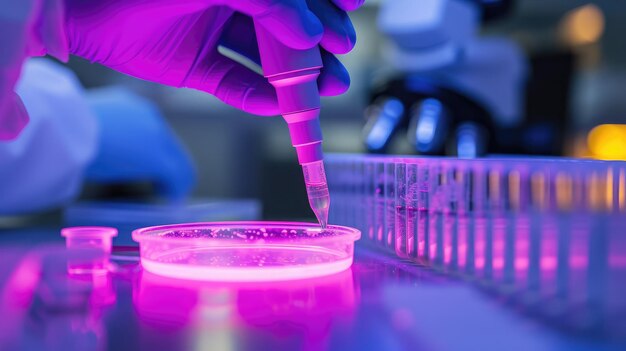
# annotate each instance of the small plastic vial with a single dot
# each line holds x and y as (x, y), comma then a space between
(95, 242)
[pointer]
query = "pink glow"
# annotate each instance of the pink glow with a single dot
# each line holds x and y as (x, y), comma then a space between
(97, 232)
(617, 252)
(521, 245)
(548, 263)
(579, 247)
(246, 251)
(89, 237)
(447, 254)
(410, 251)
(462, 255)
(521, 251)
(400, 244)
(498, 263)
(307, 306)
(480, 263)
(521, 263)
(447, 241)
(578, 261)
(432, 250)
(499, 246)
(97, 239)
(22, 282)
(17, 294)
(40, 284)
(549, 248)
(237, 274)
(480, 240)
(617, 261)
(462, 242)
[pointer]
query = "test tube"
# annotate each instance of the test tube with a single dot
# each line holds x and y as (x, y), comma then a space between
(389, 188)
(412, 209)
(401, 210)
(379, 201)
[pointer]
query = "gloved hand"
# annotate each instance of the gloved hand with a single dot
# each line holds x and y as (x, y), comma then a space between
(27, 28)
(136, 144)
(44, 168)
(174, 42)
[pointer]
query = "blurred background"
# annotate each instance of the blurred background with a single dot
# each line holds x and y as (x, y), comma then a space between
(557, 91)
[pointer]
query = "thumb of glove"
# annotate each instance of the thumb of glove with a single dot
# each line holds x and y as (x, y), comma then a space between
(13, 117)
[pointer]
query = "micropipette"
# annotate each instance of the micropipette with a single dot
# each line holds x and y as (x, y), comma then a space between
(293, 73)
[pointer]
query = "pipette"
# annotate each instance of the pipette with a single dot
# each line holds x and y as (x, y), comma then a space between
(293, 73)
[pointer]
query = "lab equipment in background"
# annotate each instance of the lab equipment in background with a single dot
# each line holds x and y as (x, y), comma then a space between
(294, 75)
(246, 251)
(452, 92)
(130, 215)
(548, 235)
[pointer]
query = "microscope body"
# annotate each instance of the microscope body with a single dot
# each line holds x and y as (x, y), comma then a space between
(452, 92)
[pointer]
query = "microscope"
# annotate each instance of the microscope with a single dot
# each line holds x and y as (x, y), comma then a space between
(450, 92)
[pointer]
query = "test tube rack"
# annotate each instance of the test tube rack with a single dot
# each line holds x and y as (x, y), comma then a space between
(546, 234)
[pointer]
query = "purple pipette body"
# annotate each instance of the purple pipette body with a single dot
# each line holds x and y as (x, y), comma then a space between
(293, 73)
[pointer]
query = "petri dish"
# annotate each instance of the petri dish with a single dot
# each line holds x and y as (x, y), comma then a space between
(246, 251)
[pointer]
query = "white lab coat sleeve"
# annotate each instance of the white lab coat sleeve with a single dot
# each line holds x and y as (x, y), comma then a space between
(43, 168)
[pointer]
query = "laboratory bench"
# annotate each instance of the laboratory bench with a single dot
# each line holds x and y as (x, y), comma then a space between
(380, 303)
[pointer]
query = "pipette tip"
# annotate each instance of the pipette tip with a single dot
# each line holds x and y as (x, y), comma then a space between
(319, 200)
(322, 216)
(317, 190)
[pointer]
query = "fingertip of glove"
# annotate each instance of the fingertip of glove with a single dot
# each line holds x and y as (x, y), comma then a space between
(342, 40)
(349, 5)
(335, 80)
(297, 30)
(261, 101)
(313, 33)
(13, 118)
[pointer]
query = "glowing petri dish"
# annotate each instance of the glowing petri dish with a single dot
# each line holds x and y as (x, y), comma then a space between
(246, 251)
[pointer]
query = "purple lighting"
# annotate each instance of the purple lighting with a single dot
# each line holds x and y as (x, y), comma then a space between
(307, 308)
(94, 243)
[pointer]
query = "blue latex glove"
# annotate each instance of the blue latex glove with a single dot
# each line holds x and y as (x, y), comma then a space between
(173, 42)
(27, 28)
(44, 166)
(136, 144)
